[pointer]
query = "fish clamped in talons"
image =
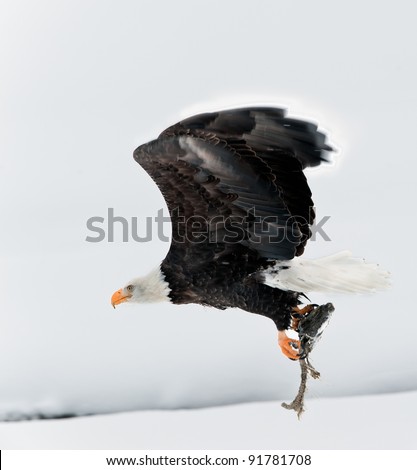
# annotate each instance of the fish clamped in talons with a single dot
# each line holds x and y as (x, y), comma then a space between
(310, 328)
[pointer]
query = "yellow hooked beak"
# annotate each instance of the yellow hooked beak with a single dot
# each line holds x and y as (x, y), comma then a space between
(119, 297)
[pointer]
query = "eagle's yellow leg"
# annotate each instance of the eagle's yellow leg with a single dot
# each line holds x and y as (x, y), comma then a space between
(298, 313)
(289, 346)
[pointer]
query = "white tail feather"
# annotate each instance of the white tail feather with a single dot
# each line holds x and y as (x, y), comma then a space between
(336, 273)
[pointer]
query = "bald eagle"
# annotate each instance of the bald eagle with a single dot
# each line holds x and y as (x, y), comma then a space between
(241, 212)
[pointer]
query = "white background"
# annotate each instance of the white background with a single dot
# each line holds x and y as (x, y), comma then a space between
(82, 85)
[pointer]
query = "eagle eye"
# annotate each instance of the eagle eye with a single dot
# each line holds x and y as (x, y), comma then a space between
(130, 288)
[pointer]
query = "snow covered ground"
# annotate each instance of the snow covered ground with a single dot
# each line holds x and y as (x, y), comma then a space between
(385, 421)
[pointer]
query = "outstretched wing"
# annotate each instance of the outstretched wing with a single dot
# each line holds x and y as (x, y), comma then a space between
(234, 184)
(282, 143)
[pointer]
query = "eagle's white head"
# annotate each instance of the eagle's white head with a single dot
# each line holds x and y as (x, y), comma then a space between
(147, 289)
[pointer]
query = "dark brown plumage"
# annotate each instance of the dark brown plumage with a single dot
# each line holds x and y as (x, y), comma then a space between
(238, 199)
